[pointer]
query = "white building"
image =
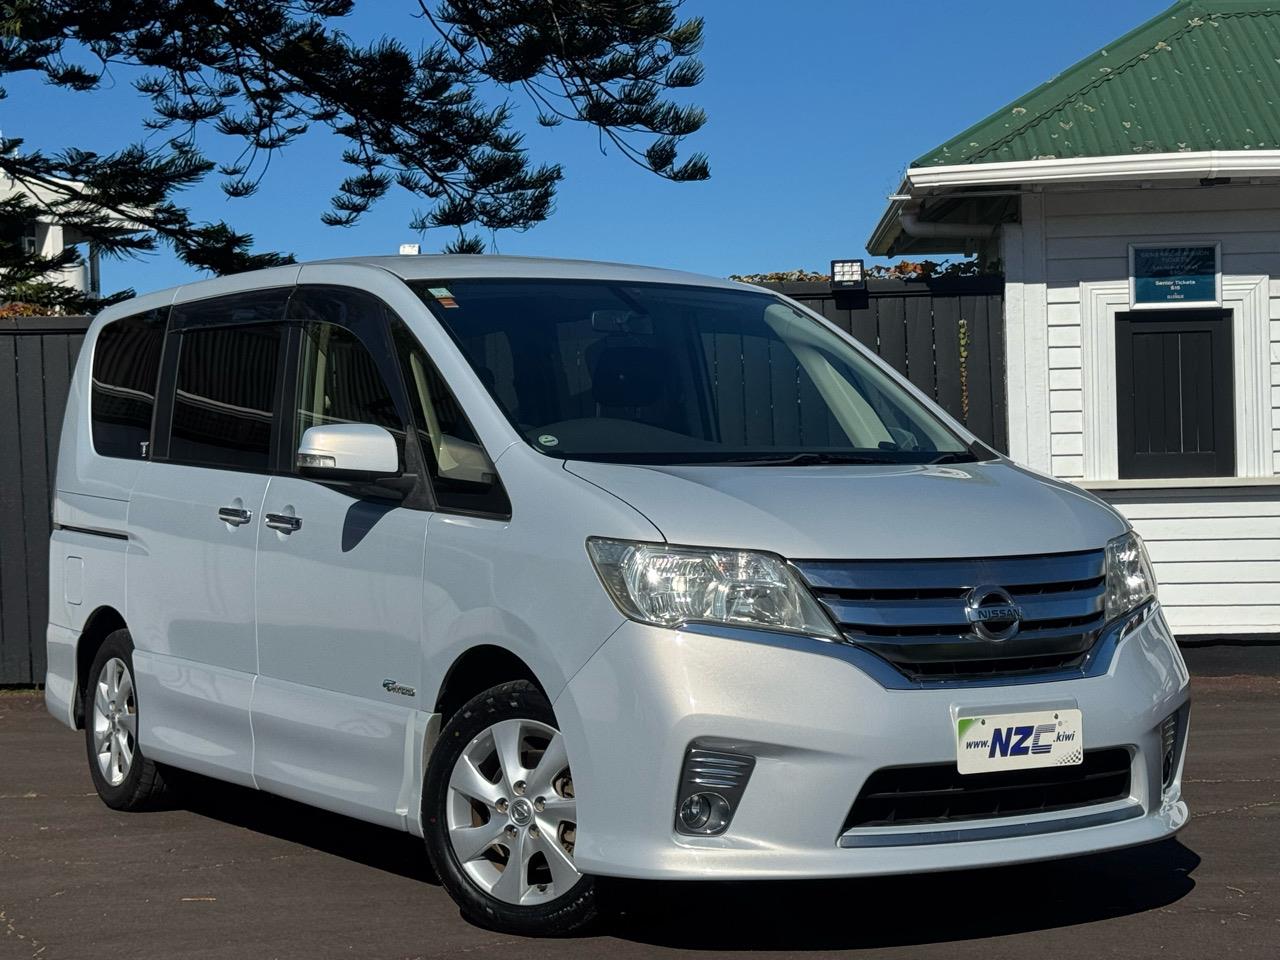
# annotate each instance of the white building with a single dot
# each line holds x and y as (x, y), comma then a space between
(1133, 204)
(44, 235)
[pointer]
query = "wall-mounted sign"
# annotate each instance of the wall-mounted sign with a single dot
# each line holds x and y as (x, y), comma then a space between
(1175, 275)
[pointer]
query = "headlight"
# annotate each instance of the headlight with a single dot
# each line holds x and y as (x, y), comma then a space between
(669, 586)
(1130, 580)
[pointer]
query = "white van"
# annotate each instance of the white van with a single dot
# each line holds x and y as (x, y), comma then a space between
(579, 570)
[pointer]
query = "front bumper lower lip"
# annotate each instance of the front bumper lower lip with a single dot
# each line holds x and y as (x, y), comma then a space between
(987, 830)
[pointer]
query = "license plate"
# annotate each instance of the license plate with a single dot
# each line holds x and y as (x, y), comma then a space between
(1019, 741)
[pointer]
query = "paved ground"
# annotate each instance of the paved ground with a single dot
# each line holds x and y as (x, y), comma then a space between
(237, 874)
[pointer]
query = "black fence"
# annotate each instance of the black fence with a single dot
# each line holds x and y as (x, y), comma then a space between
(37, 355)
(945, 336)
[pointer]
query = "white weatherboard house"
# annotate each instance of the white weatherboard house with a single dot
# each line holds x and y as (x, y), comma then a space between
(1133, 204)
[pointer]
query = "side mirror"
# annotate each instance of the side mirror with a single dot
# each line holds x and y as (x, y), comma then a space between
(348, 451)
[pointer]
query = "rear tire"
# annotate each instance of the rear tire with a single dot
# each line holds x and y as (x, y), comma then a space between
(499, 798)
(124, 778)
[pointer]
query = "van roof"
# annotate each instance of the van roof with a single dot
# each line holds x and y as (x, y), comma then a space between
(423, 267)
(456, 266)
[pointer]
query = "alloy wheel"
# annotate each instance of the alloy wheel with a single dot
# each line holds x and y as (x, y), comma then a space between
(115, 721)
(511, 813)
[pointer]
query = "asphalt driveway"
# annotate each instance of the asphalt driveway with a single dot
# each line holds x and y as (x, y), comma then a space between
(232, 873)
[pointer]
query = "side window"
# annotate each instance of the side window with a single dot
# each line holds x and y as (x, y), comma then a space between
(339, 382)
(126, 364)
(462, 474)
(226, 386)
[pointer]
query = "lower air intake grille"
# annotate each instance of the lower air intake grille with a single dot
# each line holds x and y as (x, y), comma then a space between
(898, 796)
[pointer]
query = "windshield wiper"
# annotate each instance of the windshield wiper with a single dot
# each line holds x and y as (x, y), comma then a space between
(953, 458)
(805, 459)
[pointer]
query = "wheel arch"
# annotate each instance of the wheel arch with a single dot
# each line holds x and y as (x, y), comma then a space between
(99, 625)
(476, 670)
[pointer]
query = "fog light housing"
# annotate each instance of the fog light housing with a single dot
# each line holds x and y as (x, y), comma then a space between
(705, 813)
(711, 788)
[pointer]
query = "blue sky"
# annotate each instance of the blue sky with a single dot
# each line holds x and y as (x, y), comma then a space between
(815, 107)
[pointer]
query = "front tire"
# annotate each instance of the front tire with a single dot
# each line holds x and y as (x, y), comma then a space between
(123, 777)
(501, 816)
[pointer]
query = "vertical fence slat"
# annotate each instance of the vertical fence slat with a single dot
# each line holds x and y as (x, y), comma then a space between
(56, 364)
(891, 323)
(784, 395)
(758, 396)
(981, 410)
(863, 326)
(919, 329)
(999, 375)
(832, 312)
(35, 484)
(15, 666)
(733, 430)
(946, 352)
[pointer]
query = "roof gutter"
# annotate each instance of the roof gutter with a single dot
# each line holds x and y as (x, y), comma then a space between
(1140, 166)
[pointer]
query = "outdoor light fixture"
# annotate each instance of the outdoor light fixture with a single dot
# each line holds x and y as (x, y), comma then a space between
(847, 275)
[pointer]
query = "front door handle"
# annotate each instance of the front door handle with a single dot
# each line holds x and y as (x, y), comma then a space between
(236, 516)
(283, 522)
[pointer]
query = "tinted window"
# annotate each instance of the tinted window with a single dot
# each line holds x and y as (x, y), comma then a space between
(126, 363)
(462, 474)
(339, 382)
(657, 373)
(250, 307)
(226, 385)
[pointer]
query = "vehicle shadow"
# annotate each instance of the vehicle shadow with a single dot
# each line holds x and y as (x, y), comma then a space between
(354, 840)
(793, 915)
(899, 911)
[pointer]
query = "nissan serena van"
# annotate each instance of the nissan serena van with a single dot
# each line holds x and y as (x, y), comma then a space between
(578, 570)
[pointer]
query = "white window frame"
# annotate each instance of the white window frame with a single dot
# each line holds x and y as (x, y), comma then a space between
(1248, 299)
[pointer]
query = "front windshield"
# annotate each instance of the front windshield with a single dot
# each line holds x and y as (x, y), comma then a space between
(664, 374)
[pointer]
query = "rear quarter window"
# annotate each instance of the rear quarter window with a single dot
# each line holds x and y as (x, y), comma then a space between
(126, 365)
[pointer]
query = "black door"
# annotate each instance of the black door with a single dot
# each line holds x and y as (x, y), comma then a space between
(1174, 393)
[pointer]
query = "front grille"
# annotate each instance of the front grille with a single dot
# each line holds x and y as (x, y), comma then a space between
(939, 793)
(912, 612)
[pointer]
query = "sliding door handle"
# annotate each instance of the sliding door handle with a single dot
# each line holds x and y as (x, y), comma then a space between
(283, 522)
(236, 516)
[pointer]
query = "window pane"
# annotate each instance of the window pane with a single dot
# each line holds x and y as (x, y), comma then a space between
(659, 373)
(252, 307)
(222, 412)
(339, 382)
(462, 474)
(126, 363)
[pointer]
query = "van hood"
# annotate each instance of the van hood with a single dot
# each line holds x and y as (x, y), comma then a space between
(855, 511)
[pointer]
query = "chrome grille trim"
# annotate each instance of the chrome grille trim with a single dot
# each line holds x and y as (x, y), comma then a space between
(911, 613)
(1094, 664)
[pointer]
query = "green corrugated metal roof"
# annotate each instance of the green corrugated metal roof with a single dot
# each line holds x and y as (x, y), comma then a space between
(1203, 75)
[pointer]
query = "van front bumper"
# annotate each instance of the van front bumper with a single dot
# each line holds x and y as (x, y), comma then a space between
(818, 726)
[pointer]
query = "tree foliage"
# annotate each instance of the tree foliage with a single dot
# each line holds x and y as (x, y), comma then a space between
(433, 120)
